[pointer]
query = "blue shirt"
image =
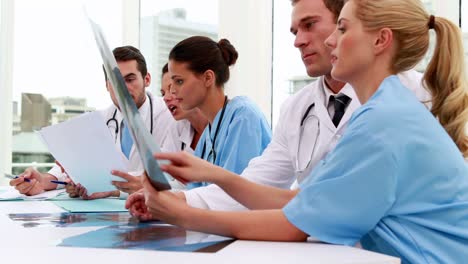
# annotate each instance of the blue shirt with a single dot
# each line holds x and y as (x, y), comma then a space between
(243, 134)
(396, 182)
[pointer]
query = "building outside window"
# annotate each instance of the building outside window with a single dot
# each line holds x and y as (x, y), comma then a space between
(164, 23)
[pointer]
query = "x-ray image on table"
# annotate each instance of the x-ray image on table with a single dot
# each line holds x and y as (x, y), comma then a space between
(148, 236)
(73, 219)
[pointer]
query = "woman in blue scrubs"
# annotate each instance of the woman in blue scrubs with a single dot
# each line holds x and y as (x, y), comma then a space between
(397, 181)
(237, 129)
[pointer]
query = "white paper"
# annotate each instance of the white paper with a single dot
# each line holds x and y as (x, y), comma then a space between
(12, 194)
(85, 148)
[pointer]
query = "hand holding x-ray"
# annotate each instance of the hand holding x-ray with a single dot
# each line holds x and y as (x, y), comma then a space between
(145, 144)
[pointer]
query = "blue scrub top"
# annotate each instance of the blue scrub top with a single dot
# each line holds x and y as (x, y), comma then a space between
(396, 182)
(243, 134)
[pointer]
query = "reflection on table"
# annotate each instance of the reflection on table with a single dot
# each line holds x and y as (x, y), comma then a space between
(148, 236)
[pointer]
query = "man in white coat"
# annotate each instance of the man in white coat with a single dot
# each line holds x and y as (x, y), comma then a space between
(153, 111)
(311, 122)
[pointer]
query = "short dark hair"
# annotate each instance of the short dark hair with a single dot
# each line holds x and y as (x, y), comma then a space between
(128, 53)
(165, 69)
(334, 6)
(202, 54)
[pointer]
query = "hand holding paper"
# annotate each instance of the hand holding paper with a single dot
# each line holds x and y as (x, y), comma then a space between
(86, 151)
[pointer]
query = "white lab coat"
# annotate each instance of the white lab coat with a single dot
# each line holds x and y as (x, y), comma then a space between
(180, 133)
(162, 121)
(277, 165)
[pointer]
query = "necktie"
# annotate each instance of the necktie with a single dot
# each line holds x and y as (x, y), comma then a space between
(126, 141)
(341, 101)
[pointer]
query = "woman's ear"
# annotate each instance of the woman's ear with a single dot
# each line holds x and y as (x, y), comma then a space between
(383, 41)
(209, 78)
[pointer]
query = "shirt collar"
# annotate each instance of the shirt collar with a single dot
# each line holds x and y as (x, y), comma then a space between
(326, 92)
(144, 110)
(187, 132)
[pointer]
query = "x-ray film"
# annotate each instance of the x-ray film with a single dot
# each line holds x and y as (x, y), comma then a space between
(145, 144)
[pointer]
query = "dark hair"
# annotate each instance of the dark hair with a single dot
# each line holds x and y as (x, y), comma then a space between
(334, 6)
(128, 53)
(202, 54)
(165, 69)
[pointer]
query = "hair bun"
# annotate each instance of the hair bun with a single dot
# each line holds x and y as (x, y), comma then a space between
(228, 51)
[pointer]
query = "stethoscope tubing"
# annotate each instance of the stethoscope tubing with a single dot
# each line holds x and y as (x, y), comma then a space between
(114, 119)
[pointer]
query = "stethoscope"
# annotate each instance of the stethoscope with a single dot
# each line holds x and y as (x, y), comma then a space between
(114, 119)
(212, 151)
(307, 113)
(306, 117)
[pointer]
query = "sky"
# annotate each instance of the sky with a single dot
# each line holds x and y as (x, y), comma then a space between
(55, 53)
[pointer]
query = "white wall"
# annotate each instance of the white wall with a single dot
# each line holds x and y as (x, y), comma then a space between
(248, 25)
(6, 65)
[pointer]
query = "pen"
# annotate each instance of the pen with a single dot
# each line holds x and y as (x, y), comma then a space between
(15, 177)
(59, 182)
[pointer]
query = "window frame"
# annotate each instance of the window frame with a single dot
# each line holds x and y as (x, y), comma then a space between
(6, 68)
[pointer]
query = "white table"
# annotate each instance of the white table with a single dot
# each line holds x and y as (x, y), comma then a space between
(38, 245)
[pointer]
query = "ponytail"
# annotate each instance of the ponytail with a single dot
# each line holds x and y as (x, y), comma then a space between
(445, 76)
(446, 81)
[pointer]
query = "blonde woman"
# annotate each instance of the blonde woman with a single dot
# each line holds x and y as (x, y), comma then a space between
(396, 182)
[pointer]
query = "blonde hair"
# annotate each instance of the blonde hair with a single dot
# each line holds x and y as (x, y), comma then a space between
(445, 75)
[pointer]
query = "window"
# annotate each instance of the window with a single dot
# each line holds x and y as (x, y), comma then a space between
(246, 23)
(289, 73)
(51, 49)
(55, 57)
(164, 23)
(57, 71)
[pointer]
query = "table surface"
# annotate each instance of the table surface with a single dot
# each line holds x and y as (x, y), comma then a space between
(39, 245)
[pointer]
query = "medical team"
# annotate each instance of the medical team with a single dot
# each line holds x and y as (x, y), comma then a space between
(373, 164)
(396, 182)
